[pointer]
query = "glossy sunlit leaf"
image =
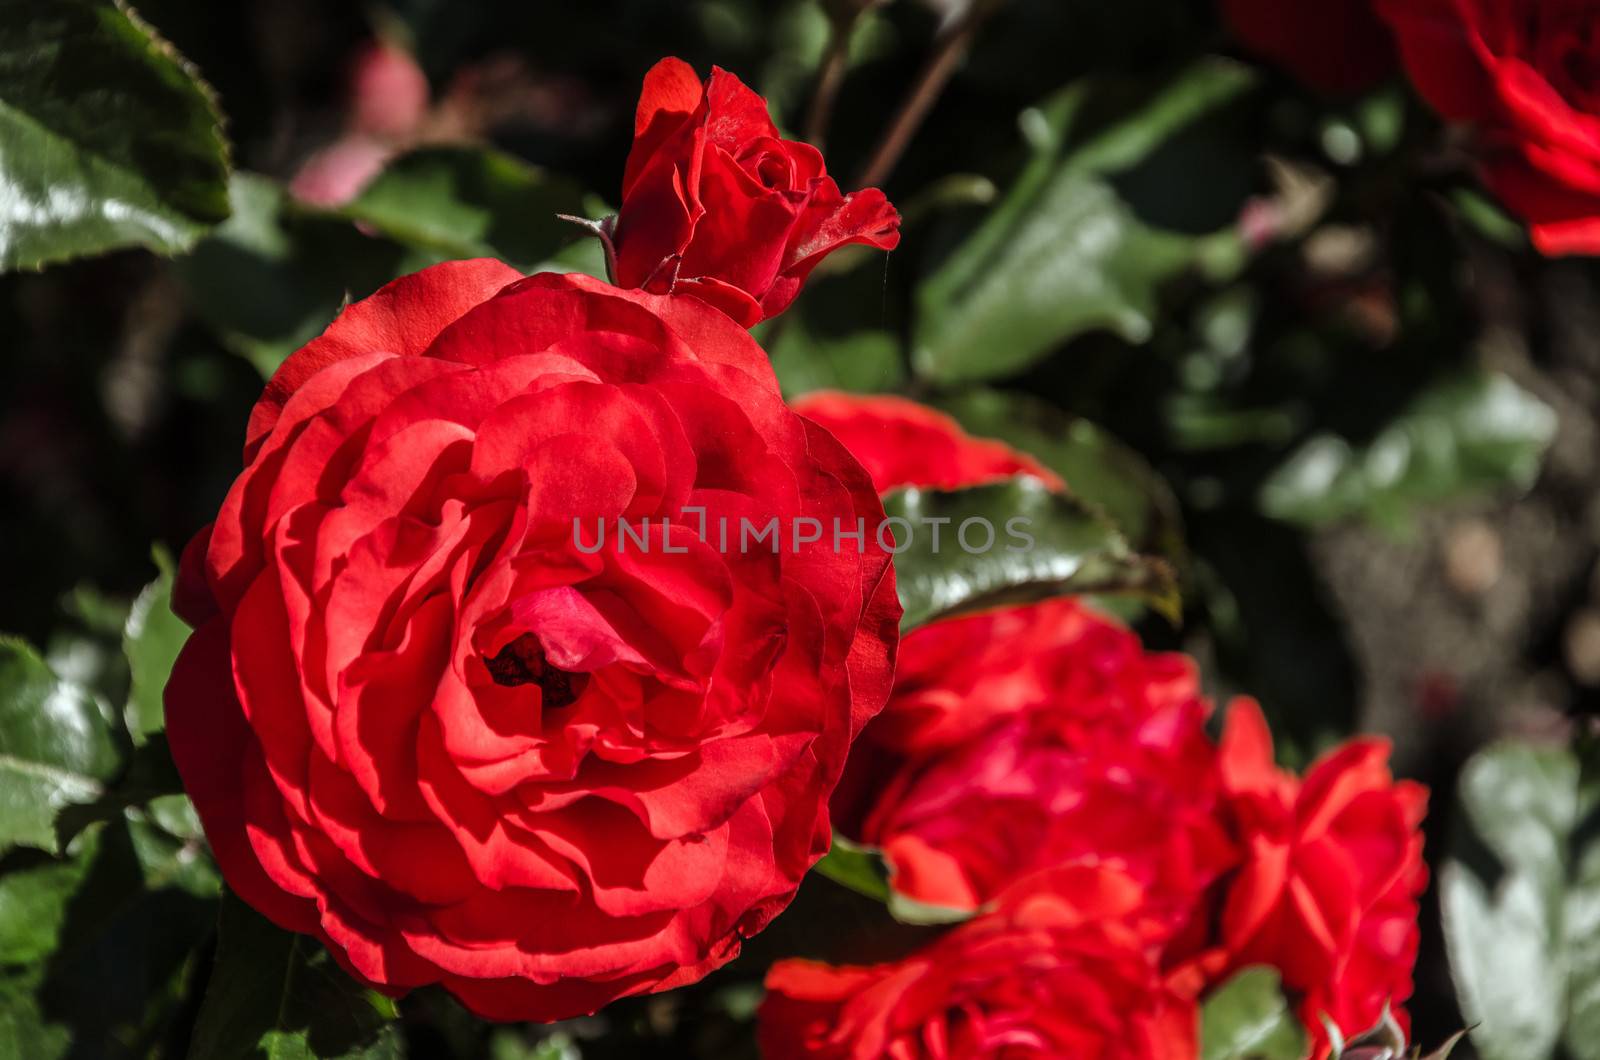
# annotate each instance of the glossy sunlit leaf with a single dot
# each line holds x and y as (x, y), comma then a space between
(1010, 542)
(107, 136)
(1461, 437)
(151, 639)
(56, 748)
(1064, 252)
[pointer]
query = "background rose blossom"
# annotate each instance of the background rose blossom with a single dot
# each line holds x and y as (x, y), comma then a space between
(1527, 79)
(1060, 968)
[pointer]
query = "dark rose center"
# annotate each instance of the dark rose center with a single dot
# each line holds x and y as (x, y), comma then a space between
(522, 662)
(772, 171)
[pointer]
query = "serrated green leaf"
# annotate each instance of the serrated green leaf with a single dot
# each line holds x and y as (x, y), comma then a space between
(56, 748)
(1010, 542)
(107, 137)
(151, 639)
(1521, 902)
(1247, 1018)
(278, 995)
(467, 202)
(1461, 437)
(1064, 252)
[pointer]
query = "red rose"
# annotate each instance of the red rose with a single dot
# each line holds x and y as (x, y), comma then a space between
(1327, 892)
(1059, 969)
(1030, 737)
(423, 722)
(1528, 77)
(902, 443)
(717, 205)
(1022, 738)
(1339, 47)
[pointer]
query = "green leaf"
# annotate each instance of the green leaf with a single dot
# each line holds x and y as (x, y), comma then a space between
(862, 869)
(151, 639)
(1521, 902)
(279, 995)
(1064, 252)
(107, 137)
(1247, 1018)
(56, 748)
(25, 1030)
(115, 930)
(835, 336)
(275, 275)
(857, 867)
(33, 902)
(1097, 468)
(463, 202)
(1021, 542)
(1463, 436)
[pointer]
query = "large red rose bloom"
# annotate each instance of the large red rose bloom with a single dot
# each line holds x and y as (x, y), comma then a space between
(717, 205)
(1526, 76)
(422, 721)
(1060, 968)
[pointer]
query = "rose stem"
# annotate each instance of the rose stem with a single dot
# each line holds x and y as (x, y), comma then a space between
(950, 47)
(830, 77)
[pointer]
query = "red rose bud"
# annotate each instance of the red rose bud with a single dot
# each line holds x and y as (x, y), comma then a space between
(1059, 968)
(716, 205)
(420, 722)
(1338, 47)
(1529, 82)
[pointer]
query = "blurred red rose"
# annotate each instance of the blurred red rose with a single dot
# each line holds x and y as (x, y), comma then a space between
(1033, 736)
(1338, 47)
(421, 723)
(717, 205)
(1327, 892)
(1527, 77)
(1060, 968)
(902, 443)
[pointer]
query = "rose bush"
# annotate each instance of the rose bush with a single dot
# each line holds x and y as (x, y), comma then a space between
(1526, 77)
(1331, 873)
(1061, 968)
(717, 205)
(421, 723)
(1337, 47)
